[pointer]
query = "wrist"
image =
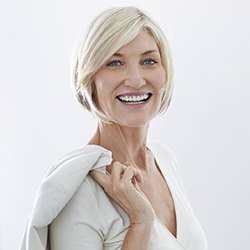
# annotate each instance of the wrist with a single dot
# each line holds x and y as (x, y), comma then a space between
(142, 223)
(143, 220)
(138, 236)
(142, 230)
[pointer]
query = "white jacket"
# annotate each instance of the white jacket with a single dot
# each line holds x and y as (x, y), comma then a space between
(57, 188)
(72, 212)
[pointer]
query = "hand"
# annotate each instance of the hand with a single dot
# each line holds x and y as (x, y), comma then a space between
(122, 186)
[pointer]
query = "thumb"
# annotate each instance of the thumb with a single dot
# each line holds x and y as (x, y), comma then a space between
(100, 177)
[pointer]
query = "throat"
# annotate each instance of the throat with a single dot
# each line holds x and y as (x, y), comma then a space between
(128, 145)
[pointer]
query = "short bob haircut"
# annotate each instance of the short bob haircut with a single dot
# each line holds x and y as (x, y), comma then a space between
(107, 33)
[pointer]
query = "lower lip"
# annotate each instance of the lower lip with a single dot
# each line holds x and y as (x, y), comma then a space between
(134, 105)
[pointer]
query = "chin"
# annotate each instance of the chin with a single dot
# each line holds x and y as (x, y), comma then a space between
(135, 122)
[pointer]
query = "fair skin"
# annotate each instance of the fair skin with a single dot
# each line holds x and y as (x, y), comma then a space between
(129, 89)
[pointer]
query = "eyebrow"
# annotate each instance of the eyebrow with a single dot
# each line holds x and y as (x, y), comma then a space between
(143, 54)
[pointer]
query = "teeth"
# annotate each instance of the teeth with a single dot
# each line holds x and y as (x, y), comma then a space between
(134, 98)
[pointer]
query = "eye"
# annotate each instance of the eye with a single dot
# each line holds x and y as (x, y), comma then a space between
(149, 61)
(115, 63)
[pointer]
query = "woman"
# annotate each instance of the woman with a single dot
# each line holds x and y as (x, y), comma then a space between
(118, 191)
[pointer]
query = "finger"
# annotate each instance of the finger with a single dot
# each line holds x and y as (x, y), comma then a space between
(100, 177)
(136, 184)
(127, 163)
(131, 173)
(138, 177)
(117, 171)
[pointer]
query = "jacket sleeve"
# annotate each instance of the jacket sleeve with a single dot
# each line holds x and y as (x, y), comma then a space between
(80, 225)
(57, 189)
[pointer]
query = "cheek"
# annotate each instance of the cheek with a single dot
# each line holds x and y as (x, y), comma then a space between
(104, 83)
(158, 79)
(104, 86)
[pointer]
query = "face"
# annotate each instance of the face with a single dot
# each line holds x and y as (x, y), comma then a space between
(130, 85)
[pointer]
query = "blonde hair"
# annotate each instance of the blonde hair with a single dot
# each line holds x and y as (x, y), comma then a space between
(107, 33)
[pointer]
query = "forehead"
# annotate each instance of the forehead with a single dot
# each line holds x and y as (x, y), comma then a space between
(144, 41)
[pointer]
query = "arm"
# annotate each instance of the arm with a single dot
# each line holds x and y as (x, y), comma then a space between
(122, 186)
(138, 237)
(64, 238)
(79, 225)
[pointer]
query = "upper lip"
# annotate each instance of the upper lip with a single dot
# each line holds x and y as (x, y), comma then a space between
(134, 93)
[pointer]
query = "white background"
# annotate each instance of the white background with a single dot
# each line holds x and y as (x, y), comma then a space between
(207, 125)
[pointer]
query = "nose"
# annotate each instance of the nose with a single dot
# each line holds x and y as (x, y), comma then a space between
(134, 78)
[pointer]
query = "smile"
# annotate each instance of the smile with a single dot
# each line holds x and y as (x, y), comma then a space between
(134, 99)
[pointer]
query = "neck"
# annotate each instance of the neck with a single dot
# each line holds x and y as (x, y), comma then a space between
(127, 144)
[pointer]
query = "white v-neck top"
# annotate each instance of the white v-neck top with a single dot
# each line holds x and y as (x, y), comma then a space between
(91, 220)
